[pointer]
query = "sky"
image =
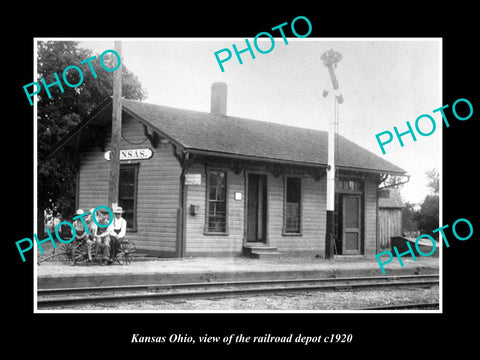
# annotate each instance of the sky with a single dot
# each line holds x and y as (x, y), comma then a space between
(385, 82)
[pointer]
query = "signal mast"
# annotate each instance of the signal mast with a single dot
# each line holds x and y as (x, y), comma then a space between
(330, 59)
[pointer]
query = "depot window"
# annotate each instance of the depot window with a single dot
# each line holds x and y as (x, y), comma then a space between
(349, 185)
(292, 219)
(127, 194)
(216, 214)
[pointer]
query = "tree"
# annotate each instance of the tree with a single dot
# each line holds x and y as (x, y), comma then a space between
(428, 216)
(425, 218)
(410, 219)
(63, 111)
(433, 181)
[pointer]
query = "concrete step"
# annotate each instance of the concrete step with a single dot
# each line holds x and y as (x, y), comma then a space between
(257, 251)
(258, 245)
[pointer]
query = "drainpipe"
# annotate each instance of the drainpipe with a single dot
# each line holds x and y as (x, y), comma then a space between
(395, 184)
(180, 246)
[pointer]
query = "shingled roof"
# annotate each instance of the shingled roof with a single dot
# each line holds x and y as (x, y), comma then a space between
(239, 137)
(393, 200)
(205, 131)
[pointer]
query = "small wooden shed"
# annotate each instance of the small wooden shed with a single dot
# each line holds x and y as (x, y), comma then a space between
(390, 208)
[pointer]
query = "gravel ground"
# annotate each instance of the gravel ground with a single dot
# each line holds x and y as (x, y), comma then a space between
(309, 301)
(205, 264)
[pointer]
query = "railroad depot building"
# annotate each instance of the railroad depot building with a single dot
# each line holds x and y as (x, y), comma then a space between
(206, 184)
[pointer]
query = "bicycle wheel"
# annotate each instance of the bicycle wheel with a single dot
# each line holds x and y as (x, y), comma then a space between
(81, 254)
(66, 253)
(126, 249)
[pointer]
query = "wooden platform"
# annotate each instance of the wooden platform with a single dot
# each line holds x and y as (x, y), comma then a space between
(260, 250)
(424, 245)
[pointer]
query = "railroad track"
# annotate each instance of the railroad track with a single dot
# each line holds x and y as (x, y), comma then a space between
(125, 293)
(411, 306)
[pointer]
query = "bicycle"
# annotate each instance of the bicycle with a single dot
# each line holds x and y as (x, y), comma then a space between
(76, 253)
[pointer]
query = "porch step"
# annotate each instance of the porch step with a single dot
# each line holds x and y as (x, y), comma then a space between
(261, 251)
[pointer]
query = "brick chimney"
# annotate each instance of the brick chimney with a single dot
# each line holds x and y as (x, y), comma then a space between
(218, 100)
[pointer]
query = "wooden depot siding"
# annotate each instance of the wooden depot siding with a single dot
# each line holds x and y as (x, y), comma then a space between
(197, 242)
(157, 189)
(312, 239)
(390, 220)
(370, 216)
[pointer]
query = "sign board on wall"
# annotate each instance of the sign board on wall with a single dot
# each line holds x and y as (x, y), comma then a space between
(133, 154)
(193, 179)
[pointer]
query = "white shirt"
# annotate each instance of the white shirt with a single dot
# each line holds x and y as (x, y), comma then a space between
(116, 225)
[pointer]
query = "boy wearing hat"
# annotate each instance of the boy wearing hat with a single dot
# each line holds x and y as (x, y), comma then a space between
(81, 234)
(102, 236)
(92, 232)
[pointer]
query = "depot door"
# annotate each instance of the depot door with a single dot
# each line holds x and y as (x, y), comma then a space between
(351, 225)
(257, 208)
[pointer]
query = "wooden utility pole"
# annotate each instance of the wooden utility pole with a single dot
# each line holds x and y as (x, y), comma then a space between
(330, 59)
(116, 132)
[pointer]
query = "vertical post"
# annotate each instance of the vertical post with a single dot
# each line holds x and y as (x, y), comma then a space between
(181, 225)
(330, 228)
(330, 59)
(181, 244)
(116, 132)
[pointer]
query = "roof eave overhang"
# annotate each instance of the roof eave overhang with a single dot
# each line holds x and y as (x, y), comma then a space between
(147, 123)
(78, 129)
(286, 161)
(251, 157)
(372, 171)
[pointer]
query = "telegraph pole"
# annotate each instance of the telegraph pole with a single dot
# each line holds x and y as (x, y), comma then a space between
(116, 131)
(330, 59)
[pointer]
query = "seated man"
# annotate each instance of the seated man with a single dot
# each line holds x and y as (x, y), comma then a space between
(81, 236)
(92, 231)
(102, 236)
(117, 230)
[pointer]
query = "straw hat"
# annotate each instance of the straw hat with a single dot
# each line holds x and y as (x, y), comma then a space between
(118, 210)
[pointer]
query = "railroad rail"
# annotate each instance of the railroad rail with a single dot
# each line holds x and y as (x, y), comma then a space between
(410, 306)
(127, 293)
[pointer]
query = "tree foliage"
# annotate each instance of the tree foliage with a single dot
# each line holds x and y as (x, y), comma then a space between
(433, 181)
(425, 218)
(410, 220)
(63, 111)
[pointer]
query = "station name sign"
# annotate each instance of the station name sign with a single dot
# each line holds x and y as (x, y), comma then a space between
(133, 154)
